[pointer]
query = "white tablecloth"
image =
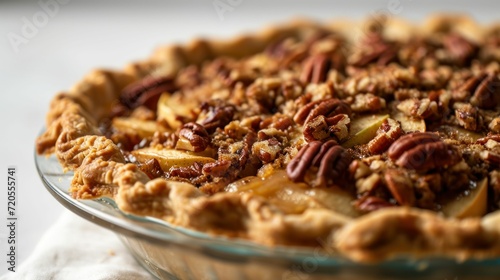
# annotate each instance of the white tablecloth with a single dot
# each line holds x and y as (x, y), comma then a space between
(75, 249)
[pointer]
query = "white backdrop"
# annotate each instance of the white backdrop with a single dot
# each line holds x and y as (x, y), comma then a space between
(64, 40)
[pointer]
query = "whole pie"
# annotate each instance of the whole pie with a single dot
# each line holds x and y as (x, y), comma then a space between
(373, 139)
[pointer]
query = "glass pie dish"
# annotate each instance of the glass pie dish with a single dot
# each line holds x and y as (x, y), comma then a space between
(170, 252)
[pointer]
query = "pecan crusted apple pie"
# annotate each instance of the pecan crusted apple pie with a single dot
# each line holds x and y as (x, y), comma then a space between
(374, 139)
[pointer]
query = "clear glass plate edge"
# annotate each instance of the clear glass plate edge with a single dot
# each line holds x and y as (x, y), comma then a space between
(104, 212)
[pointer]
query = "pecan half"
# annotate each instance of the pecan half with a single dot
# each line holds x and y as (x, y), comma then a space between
(331, 160)
(371, 203)
(422, 151)
(461, 50)
(487, 93)
(468, 116)
(216, 169)
(374, 49)
(400, 186)
(484, 140)
(321, 128)
(146, 92)
(388, 132)
(315, 69)
(196, 135)
(464, 91)
(187, 172)
(216, 114)
(152, 168)
(326, 107)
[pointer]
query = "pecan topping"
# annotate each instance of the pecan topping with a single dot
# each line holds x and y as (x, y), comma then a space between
(467, 116)
(216, 169)
(464, 91)
(371, 203)
(327, 107)
(331, 160)
(491, 157)
(422, 151)
(196, 135)
(188, 172)
(152, 168)
(400, 186)
(367, 103)
(388, 132)
(487, 93)
(215, 114)
(263, 93)
(460, 49)
(315, 69)
(484, 140)
(146, 92)
(423, 108)
(321, 128)
(374, 49)
(267, 150)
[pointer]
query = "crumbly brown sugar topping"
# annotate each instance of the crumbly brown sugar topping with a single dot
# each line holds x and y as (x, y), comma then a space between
(391, 122)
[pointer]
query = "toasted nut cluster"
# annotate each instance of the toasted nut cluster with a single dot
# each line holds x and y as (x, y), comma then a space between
(388, 132)
(422, 151)
(374, 49)
(263, 92)
(267, 150)
(331, 160)
(146, 92)
(327, 107)
(196, 135)
(460, 49)
(321, 128)
(467, 116)
(421, 108)
(216, 114)
(367, 103)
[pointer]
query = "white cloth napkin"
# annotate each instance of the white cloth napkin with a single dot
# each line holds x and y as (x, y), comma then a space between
(75, 249)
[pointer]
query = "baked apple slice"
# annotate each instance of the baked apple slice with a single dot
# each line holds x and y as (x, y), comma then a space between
(364, 129)
(168, 158)
(472, 205)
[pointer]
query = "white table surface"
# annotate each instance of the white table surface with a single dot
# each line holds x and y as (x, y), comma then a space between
(83, 35)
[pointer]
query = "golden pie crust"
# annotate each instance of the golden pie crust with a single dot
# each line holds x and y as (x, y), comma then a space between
(101, 168)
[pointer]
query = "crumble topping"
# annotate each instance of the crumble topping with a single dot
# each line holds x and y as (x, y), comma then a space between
(295, 104)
